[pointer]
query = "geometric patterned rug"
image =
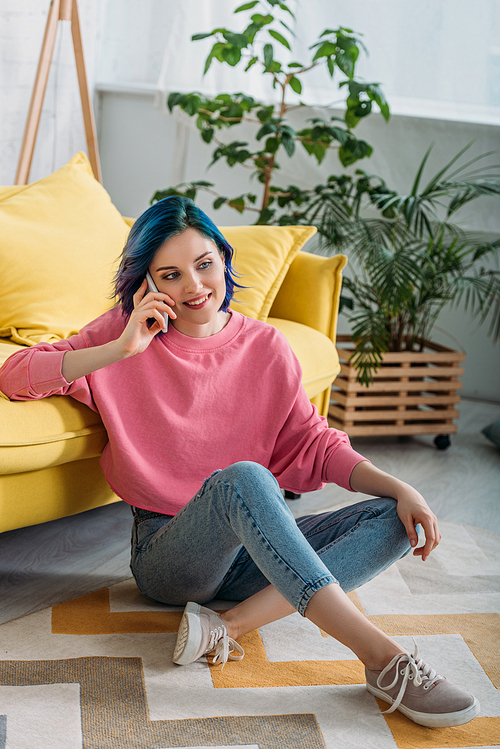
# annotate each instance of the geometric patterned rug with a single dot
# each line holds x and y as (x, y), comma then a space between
(96, 672)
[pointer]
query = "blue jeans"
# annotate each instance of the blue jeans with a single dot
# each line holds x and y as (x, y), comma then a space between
(237, 535)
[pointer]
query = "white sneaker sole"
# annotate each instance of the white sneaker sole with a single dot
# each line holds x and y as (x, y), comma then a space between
(431, 720)
(188, 636)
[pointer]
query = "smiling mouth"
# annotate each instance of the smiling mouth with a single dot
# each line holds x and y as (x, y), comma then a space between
(198, 302)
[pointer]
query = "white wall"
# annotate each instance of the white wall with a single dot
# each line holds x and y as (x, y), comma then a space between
(61, 133)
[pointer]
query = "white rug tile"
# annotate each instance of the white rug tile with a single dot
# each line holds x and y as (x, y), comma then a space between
(389, 594)
(26, 635)
(385, 593)
(431, 604)
(296, 638)
(459, 553)
(168, 677)
(488, 540)
(432, 577)
(350, 718)
(45, 716)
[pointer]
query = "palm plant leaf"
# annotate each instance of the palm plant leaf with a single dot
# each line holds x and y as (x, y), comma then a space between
(394, 273)
(414, 189)
(332, 214)
(479, 249)
(437, 177)
(481, 171)
(419, 210)
(474, 161)
(479, 292)
(371, 335)
(364, 294)
(385, 230)
(411, 259)
(471, 191)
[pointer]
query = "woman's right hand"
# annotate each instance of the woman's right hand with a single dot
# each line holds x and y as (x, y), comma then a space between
(147, 304)
(134, 340)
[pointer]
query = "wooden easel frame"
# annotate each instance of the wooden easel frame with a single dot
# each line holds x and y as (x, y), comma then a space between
(60, 10)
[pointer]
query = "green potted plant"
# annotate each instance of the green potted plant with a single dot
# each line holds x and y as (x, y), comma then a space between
(257, 45)
(410, 259)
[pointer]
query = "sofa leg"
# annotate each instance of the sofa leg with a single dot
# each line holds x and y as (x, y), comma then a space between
(291, 495)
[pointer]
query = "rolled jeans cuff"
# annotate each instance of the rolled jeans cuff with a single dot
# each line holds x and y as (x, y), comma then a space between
(311, 590)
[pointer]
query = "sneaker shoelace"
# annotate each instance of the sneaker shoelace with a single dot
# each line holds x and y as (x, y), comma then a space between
(224, 647)
(415, 670)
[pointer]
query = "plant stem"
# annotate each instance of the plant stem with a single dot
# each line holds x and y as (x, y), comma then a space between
(268, 171)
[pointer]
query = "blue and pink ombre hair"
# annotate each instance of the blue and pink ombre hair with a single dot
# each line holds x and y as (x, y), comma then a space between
(166, 218)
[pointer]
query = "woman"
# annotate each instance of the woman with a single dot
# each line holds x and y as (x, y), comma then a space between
(220, 395)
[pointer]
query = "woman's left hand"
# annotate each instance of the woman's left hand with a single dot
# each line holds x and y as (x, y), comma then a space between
(413, 510)
(412, 507)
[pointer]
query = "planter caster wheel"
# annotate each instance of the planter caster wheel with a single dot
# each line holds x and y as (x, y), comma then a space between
(291, 495)
(442, 441)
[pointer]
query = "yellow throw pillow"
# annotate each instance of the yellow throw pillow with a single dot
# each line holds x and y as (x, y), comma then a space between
(60, 240)
(262, 257)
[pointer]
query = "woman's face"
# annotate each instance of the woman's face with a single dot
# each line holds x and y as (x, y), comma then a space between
(190, 269)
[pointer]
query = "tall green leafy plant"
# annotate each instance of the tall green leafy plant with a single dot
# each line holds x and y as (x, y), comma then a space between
(258, 44)
(411, 256)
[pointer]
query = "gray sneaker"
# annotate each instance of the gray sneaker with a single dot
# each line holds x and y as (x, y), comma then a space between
(417, 691)
(202, 631)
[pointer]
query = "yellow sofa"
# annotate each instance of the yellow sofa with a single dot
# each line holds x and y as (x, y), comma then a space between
(58, 239)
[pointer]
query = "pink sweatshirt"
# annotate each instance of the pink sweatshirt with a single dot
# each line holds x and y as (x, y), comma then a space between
(188, 406)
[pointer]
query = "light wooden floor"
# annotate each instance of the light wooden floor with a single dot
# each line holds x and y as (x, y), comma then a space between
(49, 563)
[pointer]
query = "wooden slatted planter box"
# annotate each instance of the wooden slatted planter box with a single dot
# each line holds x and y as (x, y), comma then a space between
(412, 393)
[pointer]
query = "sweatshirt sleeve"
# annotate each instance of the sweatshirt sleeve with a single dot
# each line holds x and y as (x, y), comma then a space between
(308, 453)
(36, 373)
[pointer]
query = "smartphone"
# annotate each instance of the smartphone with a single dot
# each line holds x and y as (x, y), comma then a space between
(152, 287)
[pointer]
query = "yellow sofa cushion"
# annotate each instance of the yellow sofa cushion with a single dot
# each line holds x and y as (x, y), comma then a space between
(312, 277)
(39, 496)
(60, 239)
(47, 434)
(263, 255)
(44, 433)
(317, 354)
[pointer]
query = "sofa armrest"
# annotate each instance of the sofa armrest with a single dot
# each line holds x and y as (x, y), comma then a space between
(310, 292)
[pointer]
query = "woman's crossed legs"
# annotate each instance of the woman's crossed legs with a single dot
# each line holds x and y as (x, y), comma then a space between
(236, 539)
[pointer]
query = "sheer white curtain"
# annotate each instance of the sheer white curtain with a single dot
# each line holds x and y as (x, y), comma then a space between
(434, 58)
